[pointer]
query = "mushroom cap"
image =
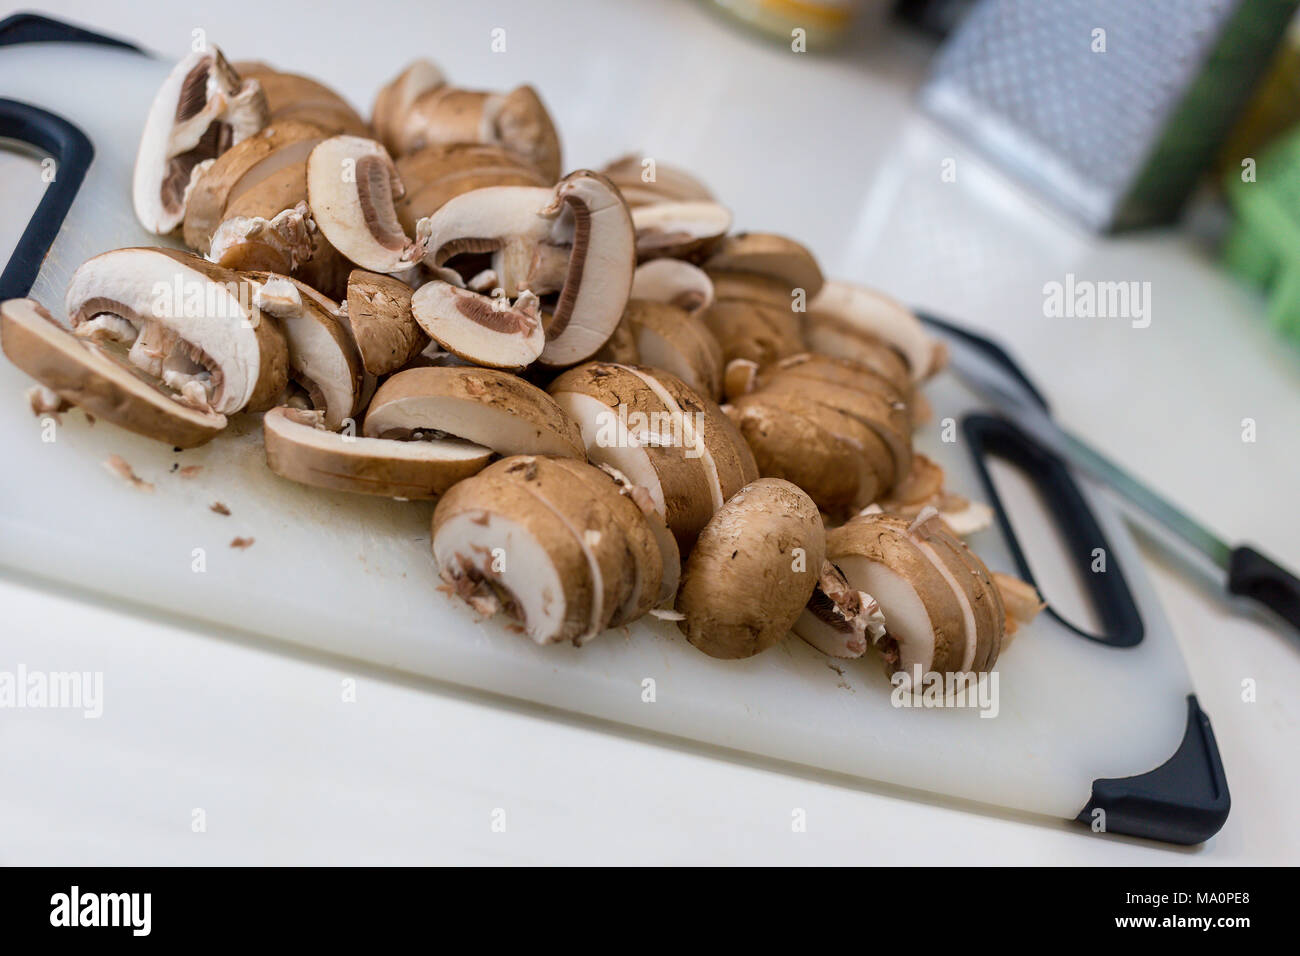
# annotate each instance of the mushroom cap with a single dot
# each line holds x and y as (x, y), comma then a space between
(617, 409)
(291, 97)
(396, 97)
(299, 447)
(837, 460)
(379, 311)
(889, 419)
(83, 374)
(487, 331)
(417, 110)
(753, 330)
(210, 309)
(520, 122)
(669, 183)
(767, 254)
(643, 548)
(481, 405)
(726, 456)
(752, 571)
(202, 109)
(894, 384)
(670, 338)
(599, 529)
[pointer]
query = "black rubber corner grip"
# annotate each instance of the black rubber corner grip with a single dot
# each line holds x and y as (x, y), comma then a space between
(72, 153)
(25, 27)
(1185, 800)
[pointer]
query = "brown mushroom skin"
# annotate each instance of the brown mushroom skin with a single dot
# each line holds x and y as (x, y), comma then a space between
(293, 97)
(753, 569)
(379, 309)
(68, 366)
(441, 171)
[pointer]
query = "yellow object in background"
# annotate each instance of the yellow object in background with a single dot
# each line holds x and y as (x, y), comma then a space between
(1274, 109)
(824, 22)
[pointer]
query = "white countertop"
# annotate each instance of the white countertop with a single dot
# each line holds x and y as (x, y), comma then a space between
(829, 151)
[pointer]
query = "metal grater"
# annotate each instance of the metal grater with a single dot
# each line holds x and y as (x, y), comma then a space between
(1117, 138)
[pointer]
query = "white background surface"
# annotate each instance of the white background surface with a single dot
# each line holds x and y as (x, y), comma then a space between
(827, 150)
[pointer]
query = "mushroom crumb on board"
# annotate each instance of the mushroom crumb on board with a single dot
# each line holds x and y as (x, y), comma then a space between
(427, 307)
(117, 465)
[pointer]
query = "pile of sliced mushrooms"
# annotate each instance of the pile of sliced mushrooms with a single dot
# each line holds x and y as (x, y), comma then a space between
(620, 406)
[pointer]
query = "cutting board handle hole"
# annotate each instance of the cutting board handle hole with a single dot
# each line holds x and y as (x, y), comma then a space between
(1053, 535)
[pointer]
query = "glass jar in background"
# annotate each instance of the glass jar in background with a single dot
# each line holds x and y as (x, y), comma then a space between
(825, 22)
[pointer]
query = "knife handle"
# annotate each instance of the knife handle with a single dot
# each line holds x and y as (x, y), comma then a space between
(1261, 579)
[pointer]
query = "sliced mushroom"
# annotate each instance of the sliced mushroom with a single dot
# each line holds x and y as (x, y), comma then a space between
(925, 487)
(85, 375)
(876, 314)
(481, 405)
(755, 331)
(300, 447)
(185, 321)
(267, 225)
(282, 244)
(291, 97)
(487, 331)
(630, 426)
(673, 281)
(670, 554)
(679, 229)
(576, 240)
(641, 548)
(839, 621)
(436, 174)
(352, 186)
(768, 254)
(202, 109)
(752, 571)
(240, 169)
(622, 557)
(499, 551)
(323, 358)
(727, 458)
(643, 183)
(667, 337)
(379, 311)
(942, 610)
(419, 109)
(396, 98)
(893, 382)
(890, 420)
(840, 462)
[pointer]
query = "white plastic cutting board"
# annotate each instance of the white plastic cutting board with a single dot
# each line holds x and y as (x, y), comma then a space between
(354, 576)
